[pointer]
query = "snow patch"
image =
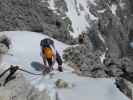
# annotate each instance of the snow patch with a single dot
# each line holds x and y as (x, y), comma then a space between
(53, 7)
(113, 8)
(51, 4)
(122, 4)
(101, 37)
(101, 11)
(78, 17)
(102, 57)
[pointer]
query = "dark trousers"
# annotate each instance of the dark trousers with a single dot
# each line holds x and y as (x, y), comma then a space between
(58, 59)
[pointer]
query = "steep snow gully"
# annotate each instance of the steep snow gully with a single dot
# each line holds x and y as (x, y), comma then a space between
(75, 13)
(26, 49)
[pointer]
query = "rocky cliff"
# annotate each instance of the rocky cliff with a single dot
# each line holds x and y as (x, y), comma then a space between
(32, 15)
(20, 89)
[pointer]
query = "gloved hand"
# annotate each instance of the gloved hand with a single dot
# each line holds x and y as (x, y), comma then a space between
(46, 70)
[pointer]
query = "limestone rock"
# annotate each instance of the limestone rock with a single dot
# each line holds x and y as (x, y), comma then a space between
(3, 48)
(125, 86)
(61, 84)
(20, 89)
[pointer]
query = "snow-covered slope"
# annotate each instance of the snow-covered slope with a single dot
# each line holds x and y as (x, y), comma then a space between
(78, 12)
(25, 49)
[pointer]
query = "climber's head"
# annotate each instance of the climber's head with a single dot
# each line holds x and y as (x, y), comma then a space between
(46, 42)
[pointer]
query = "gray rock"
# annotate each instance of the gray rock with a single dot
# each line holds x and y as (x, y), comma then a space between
(127, 64)
(90, 65)
(115, 71)
(5, 43)
(20, 89)
(32, 15)
(125, 86)
(3, 48)
(115, 28)
(5, 40)
(88, 62)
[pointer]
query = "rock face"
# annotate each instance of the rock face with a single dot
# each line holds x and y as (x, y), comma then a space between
(113, 28)
(4, 44)
(32, 15)
(125, 86)
(90, 64)
(20, 89)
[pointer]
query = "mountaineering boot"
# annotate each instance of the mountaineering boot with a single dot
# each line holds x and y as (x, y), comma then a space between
(60, 68)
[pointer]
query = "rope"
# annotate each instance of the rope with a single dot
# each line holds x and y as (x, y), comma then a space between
(29, 72)
(17, 68)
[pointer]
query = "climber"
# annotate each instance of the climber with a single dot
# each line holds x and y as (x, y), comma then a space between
(50, 55)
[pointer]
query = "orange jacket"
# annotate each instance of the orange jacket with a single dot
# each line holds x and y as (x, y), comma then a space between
(48, 53)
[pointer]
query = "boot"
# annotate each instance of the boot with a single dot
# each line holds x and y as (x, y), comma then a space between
(60, 68)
